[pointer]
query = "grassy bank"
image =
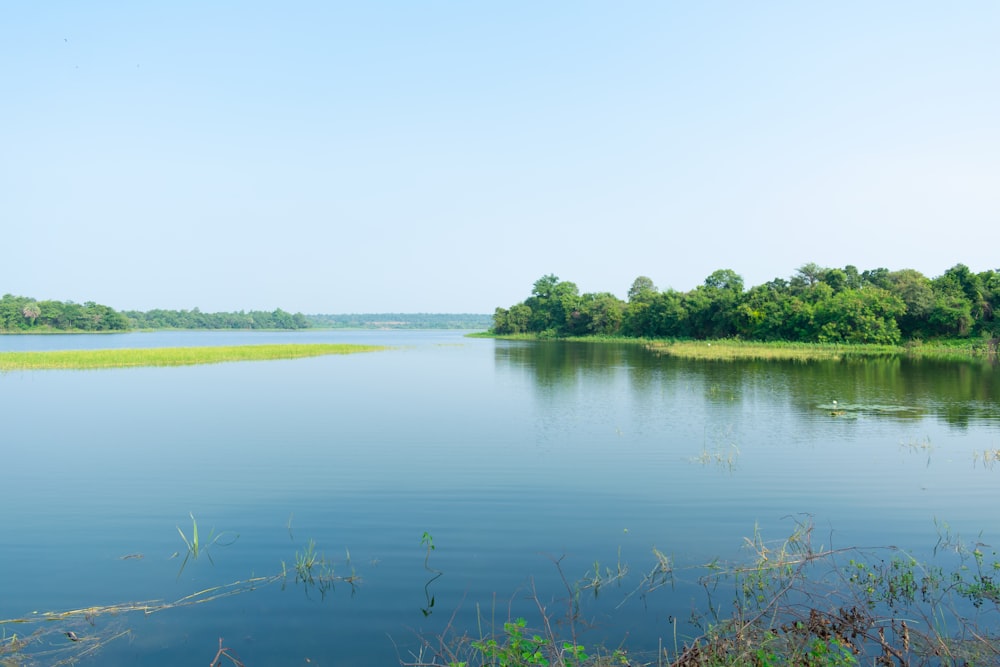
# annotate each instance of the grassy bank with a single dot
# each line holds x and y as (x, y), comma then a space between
(731, 349)
(169, 356)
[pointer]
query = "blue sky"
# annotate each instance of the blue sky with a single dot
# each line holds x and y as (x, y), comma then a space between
(332, 157)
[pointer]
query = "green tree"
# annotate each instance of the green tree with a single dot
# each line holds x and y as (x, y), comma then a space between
(642, 290)
(860, 316)
(950, 316)
(914, 290)
(31, 311)
(551, 303)
(807, 275)
(598, 314)
(771, 312)
(712, 307)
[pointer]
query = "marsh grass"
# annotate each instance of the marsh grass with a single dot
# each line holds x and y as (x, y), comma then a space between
(170, 356)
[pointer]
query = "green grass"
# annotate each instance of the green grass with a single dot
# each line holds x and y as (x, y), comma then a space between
(726, 350)
(169, 356)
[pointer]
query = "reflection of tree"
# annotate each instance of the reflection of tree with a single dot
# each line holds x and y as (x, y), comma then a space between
(559, 363)
(957, 392)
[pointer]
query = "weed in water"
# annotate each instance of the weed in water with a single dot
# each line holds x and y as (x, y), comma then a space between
(195, 546)
(427, 540)
(315, 572)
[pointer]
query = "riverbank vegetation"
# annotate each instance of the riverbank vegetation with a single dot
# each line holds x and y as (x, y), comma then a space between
(195, 319)
(168, 356)
(816, 305)
(468, 321)
(19, 314)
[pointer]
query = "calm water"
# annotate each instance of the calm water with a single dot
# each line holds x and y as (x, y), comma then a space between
(510, 455)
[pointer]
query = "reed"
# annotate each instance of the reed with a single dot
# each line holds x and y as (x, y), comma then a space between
(170, 356)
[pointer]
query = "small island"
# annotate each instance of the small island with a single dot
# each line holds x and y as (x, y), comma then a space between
(817, 305)
(169, 356)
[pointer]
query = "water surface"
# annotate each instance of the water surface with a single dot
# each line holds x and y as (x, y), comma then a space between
(513, 456)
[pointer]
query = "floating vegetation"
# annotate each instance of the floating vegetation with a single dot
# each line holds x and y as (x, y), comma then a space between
(835, 409)
(52, 647)
(170, 356)
(65, 637)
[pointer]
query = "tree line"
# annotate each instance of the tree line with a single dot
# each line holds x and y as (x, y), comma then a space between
(475, 321)
(195, 319)
(19, 314)
(816, 304)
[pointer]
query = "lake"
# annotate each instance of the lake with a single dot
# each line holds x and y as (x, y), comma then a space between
(522, 464)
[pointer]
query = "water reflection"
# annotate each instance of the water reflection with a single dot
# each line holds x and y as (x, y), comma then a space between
(892, 388)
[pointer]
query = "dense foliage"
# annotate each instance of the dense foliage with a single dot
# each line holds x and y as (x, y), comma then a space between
(19, 313)
(195, 319)
(817, 304)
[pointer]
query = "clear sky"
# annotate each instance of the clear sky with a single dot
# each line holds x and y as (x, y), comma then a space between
(336, 157)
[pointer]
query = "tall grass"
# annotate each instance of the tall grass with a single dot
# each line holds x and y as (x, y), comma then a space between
(170, 356)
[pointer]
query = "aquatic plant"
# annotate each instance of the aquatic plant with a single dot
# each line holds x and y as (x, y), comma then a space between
(170, 356)
(54, 638)
(195, 547)
(315, 571)
(788, 604)
(427, 540)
